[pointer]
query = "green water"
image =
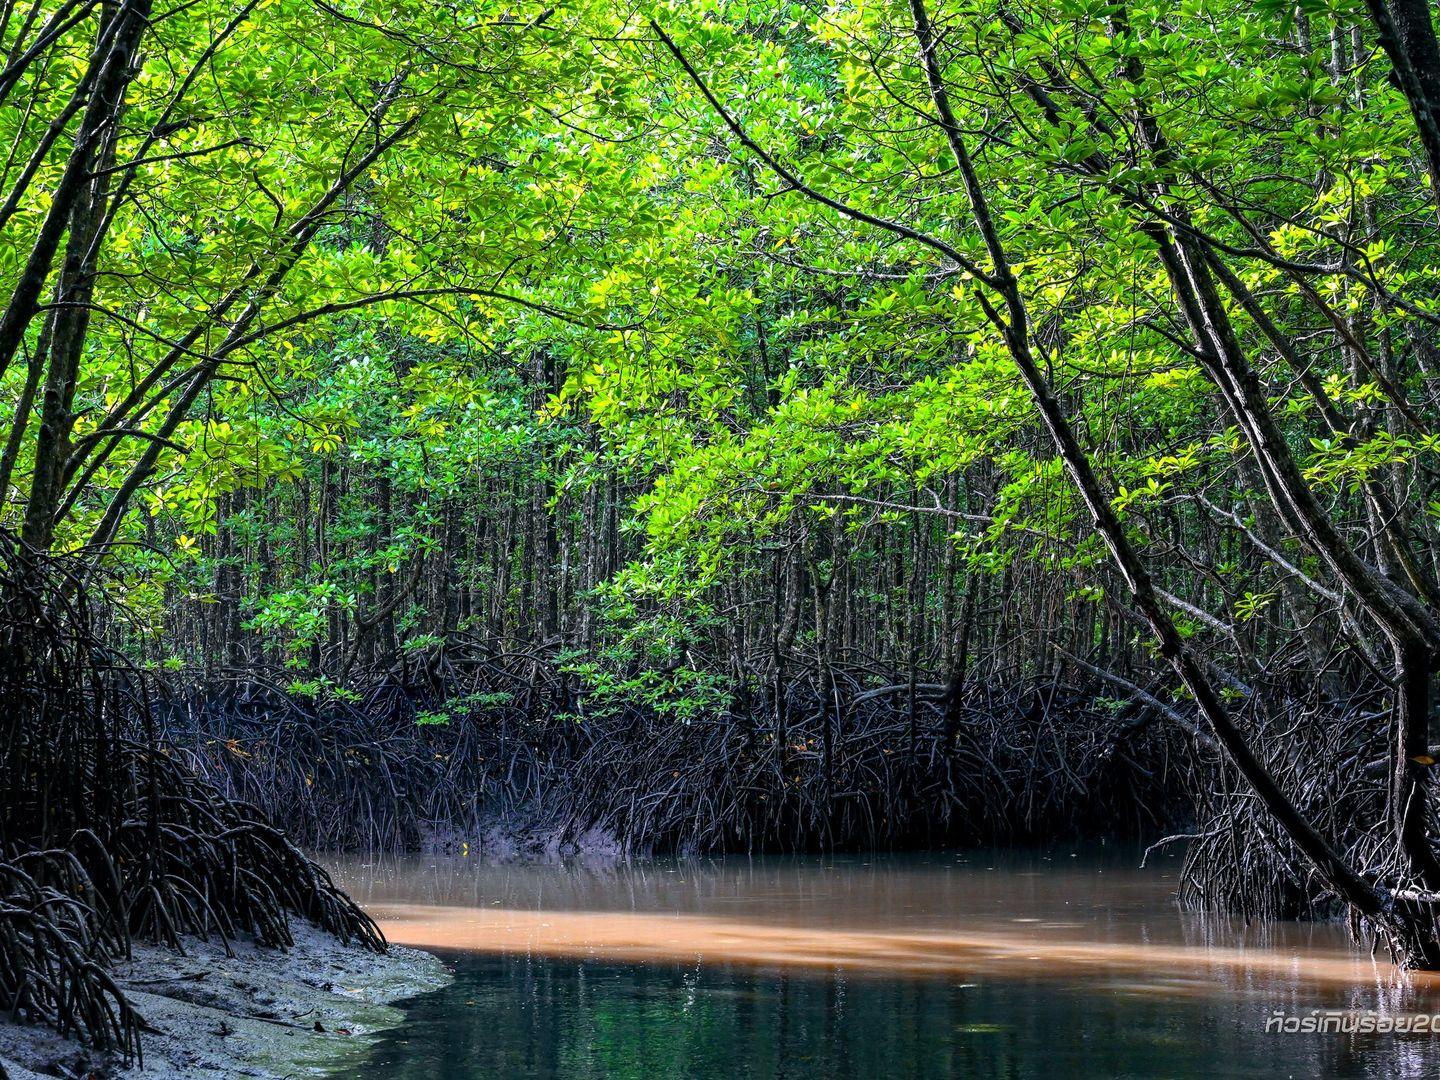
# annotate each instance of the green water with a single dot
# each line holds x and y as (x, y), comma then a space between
(1086, 1003)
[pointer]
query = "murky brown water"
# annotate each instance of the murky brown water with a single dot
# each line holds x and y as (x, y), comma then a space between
(1084, 942)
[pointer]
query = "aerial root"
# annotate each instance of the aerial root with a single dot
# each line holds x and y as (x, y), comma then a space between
(106, 836)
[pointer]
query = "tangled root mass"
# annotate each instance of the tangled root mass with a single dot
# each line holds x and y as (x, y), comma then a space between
(106, 837)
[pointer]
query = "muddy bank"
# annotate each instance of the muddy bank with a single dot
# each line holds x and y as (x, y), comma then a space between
(260, 1013)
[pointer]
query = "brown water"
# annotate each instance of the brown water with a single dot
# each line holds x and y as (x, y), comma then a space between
(1014, 964)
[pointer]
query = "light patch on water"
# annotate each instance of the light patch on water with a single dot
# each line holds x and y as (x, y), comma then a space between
(658, 937)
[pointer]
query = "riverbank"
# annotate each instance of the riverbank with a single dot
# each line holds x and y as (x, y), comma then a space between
(260, 1013)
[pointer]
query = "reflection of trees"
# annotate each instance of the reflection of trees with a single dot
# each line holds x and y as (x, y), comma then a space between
(516, 1017)
(519, 1016)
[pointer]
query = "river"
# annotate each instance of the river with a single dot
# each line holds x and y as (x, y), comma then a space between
(978, 964)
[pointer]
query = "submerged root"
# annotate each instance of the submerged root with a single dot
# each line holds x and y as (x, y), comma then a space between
(813, 769)
(1333, 760)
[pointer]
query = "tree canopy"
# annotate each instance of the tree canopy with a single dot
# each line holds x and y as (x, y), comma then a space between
(695, 345)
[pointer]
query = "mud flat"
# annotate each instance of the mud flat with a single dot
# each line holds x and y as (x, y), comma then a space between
(310, 1010)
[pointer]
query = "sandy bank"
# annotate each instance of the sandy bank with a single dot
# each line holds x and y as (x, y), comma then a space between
(261, 1013)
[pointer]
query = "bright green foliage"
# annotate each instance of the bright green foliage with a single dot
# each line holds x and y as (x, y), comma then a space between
(569, 273)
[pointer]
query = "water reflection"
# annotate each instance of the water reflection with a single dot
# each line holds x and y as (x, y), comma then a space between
(978, 964)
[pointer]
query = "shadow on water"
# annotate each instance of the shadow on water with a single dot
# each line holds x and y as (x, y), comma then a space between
(967, 964)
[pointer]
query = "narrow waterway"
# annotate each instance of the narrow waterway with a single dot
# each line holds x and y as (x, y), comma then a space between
(1073, 964)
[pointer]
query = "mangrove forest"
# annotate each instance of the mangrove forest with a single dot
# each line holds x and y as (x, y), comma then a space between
(464, 460)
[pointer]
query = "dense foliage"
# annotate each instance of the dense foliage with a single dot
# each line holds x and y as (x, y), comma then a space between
(742, 364)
